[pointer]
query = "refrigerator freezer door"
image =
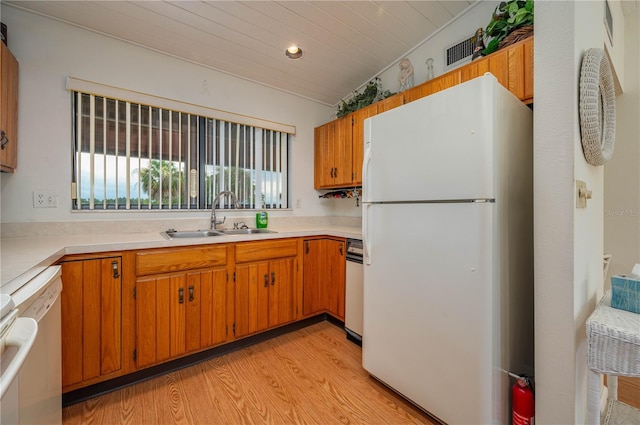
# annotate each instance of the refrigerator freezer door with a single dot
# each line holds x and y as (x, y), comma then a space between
(438, 147)
(429, 305)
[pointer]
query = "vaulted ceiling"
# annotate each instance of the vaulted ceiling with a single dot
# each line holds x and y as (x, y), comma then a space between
(344, 43)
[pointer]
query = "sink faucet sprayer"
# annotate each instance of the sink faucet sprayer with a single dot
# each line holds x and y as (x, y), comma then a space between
(222, 193)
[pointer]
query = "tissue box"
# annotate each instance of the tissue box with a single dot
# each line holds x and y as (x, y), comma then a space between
(625, 293)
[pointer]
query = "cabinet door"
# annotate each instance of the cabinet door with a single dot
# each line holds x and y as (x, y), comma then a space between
(357, 136)
(391, 102)
(341, 143)
(212, 298)
(8, 109)
(324, 276)
(313, 297)
(528, 71)
(252, 283)
(332, 155)
(153, 320)
(91, 319)
(445, 81)
(282, 307)
(515, 57)
(477, 68)
(336, 267)
(417, 92)
(499, 66)
(323, 157)
(179, 313)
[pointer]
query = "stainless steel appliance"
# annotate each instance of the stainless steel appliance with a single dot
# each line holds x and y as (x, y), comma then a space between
(448, 260)
(353, 291)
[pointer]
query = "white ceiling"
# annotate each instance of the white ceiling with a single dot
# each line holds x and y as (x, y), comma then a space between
(345, 43)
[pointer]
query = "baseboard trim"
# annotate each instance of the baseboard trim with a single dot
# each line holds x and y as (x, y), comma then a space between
(85, 393)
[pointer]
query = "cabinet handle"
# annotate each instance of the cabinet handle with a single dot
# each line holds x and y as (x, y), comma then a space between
(335, 173)
(266, 280)
(306, 247)
(191, 293)
(332, 172)
(3, 139)
(181, 296)
(341, 245)
(273, 278)
(114, 267)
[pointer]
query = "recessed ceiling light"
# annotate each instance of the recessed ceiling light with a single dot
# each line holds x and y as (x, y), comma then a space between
(293, 52)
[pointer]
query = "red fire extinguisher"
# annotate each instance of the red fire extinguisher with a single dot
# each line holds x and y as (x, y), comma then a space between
(523, 408)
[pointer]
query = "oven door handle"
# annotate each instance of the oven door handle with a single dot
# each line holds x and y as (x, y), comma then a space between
(20, 336)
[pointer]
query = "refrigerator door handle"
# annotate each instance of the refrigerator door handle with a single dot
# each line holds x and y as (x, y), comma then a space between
(365, 174)
(366, 232)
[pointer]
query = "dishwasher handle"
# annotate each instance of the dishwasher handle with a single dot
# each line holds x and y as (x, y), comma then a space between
(20, 336)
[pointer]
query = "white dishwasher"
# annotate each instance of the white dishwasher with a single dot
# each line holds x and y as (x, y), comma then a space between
(39, 380)
(353, 291)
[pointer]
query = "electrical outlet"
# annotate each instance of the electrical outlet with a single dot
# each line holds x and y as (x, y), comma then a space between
(45, 199)
(298, 203)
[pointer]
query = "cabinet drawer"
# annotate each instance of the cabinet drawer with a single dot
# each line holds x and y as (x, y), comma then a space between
(266, 250)
(171, 260)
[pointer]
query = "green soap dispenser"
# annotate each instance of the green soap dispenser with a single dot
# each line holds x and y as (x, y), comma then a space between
(262, 218)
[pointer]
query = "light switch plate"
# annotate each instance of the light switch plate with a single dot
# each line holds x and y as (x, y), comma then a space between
(582, 194)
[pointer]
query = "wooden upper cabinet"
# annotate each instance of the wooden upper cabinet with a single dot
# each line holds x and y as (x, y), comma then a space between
(528, 70)
(357, 140)
(391, 102)
(444, 82)
(333, 154)
(8, 110)
(512, 66)
(475, 69)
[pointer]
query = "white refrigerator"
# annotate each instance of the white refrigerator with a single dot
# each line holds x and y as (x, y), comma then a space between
(448, 250)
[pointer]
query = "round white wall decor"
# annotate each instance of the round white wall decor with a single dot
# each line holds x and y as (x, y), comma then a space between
(597, 107)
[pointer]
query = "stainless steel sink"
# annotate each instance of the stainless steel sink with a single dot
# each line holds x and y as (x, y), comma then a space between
(244, 231)
(179, 234)
(175, 234)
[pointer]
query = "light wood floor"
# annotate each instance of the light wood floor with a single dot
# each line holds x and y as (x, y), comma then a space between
(311, 376)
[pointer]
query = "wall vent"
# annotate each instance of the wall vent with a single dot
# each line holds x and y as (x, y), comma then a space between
(458, 53)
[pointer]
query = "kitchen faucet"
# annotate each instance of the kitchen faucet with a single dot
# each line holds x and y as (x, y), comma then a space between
(214, 222)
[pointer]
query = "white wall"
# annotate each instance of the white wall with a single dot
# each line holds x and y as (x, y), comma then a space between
(622, 172)
(568, 241)
(476, 16)
(48, 51)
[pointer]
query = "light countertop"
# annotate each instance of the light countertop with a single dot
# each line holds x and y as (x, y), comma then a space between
(23, 258)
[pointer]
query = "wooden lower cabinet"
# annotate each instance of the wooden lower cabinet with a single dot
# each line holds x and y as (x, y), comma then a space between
(324, 265)
(264, 296)
(127, 311)
(179, 313)
(91, 320)
(265, 285)
(181, 301)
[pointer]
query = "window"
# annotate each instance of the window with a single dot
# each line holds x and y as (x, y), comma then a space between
(131, 156)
